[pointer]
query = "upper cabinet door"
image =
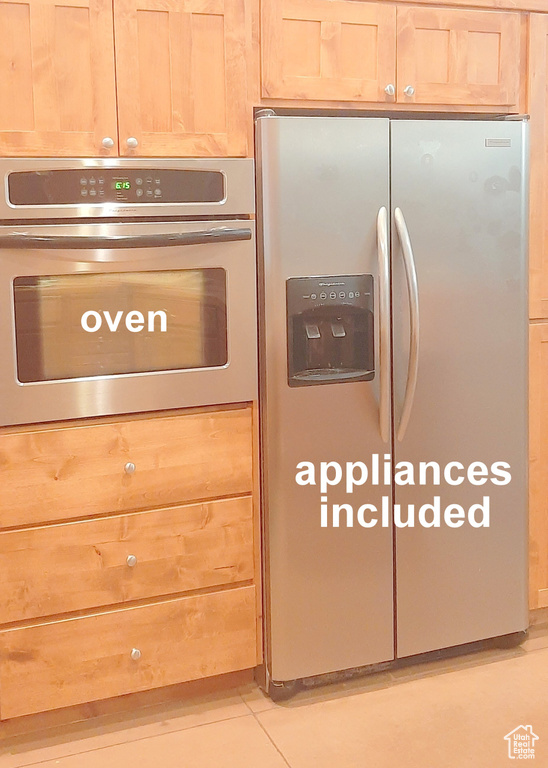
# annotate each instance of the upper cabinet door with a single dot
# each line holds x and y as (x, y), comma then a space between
(328, 50)
(181, 77)
(537, 106)
(457, 56)
(57, 93)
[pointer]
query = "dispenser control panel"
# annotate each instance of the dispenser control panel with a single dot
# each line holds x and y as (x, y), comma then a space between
(304, 293)
(330, 323)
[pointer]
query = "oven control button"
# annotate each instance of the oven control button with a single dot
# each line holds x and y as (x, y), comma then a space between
(83, 192)
(92, 180)
(157, 182)
(149, 193)
(138, 181)
(139, 192)
(149, 179)
(92, 192)
(157, 192)
(83, 181)
(101, 180)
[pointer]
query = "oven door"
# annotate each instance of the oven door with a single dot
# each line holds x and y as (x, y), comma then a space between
(101, 318)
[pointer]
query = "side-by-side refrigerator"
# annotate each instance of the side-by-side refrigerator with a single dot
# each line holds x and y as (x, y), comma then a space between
(393, 291)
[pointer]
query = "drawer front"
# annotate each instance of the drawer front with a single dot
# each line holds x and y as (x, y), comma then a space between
(51, 474)
(54, 665)
(72, 566)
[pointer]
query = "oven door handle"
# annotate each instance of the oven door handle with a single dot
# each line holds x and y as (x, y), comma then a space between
(167, 239)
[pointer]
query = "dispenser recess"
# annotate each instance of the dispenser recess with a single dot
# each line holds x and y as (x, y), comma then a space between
(330, 334)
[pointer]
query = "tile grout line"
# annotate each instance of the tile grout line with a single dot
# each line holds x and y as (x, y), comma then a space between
(127, 741)
(268, 736)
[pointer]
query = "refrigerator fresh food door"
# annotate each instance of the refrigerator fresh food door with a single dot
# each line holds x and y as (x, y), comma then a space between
(460, 378)
(323, 184)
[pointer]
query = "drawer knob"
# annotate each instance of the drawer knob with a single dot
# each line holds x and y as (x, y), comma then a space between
(409, 90)
(132, 142)
(131, 560)
(107, 142)
(129, 469)
(135, 654)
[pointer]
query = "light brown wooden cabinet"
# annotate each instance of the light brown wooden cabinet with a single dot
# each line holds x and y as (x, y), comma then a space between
(327, 49)
(452, 56)
(82, 78)
(537, 107)
(68, 661)
(181, 77)
(538, 465)
(57, 89)
(141, 531)
(341, 50)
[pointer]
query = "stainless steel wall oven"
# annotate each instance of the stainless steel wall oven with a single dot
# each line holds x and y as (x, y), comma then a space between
(125, 286)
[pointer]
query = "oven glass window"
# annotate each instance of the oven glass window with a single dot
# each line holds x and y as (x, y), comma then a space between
(81, 325)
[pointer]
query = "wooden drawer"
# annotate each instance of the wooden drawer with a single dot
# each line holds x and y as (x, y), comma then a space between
(47, 666)
(72, 566)
(57, 473)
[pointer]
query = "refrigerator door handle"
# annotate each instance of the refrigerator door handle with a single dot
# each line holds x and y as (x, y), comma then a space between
(413, 291)
(384, 324)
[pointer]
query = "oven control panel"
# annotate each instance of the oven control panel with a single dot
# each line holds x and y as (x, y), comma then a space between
(115, 185)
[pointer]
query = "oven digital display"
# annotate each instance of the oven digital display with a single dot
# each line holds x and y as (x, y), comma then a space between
(124, 184)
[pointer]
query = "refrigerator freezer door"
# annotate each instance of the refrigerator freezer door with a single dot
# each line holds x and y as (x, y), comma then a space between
(329, 590)
(461, 187)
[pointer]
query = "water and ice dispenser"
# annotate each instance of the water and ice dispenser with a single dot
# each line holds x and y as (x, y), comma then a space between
(330, 335)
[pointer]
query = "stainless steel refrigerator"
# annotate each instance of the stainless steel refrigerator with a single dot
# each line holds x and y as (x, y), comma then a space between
(393, 292)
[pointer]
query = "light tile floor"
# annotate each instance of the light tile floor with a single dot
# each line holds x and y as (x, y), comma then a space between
(451, 713)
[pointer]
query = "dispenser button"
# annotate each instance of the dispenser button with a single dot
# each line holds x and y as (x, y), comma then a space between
(323, 295)
(350, 294)
(332, 295)
(342, 295)
(337, 329)
(312, 331)
(313, 296)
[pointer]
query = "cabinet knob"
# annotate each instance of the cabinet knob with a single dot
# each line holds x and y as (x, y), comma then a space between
(390, 90)
(131, 560)
(107, 142)
(132, 142)
(409, 90)
(135, 654)
(129, 468)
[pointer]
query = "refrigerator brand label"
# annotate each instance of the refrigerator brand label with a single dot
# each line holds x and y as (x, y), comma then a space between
(498, 142)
